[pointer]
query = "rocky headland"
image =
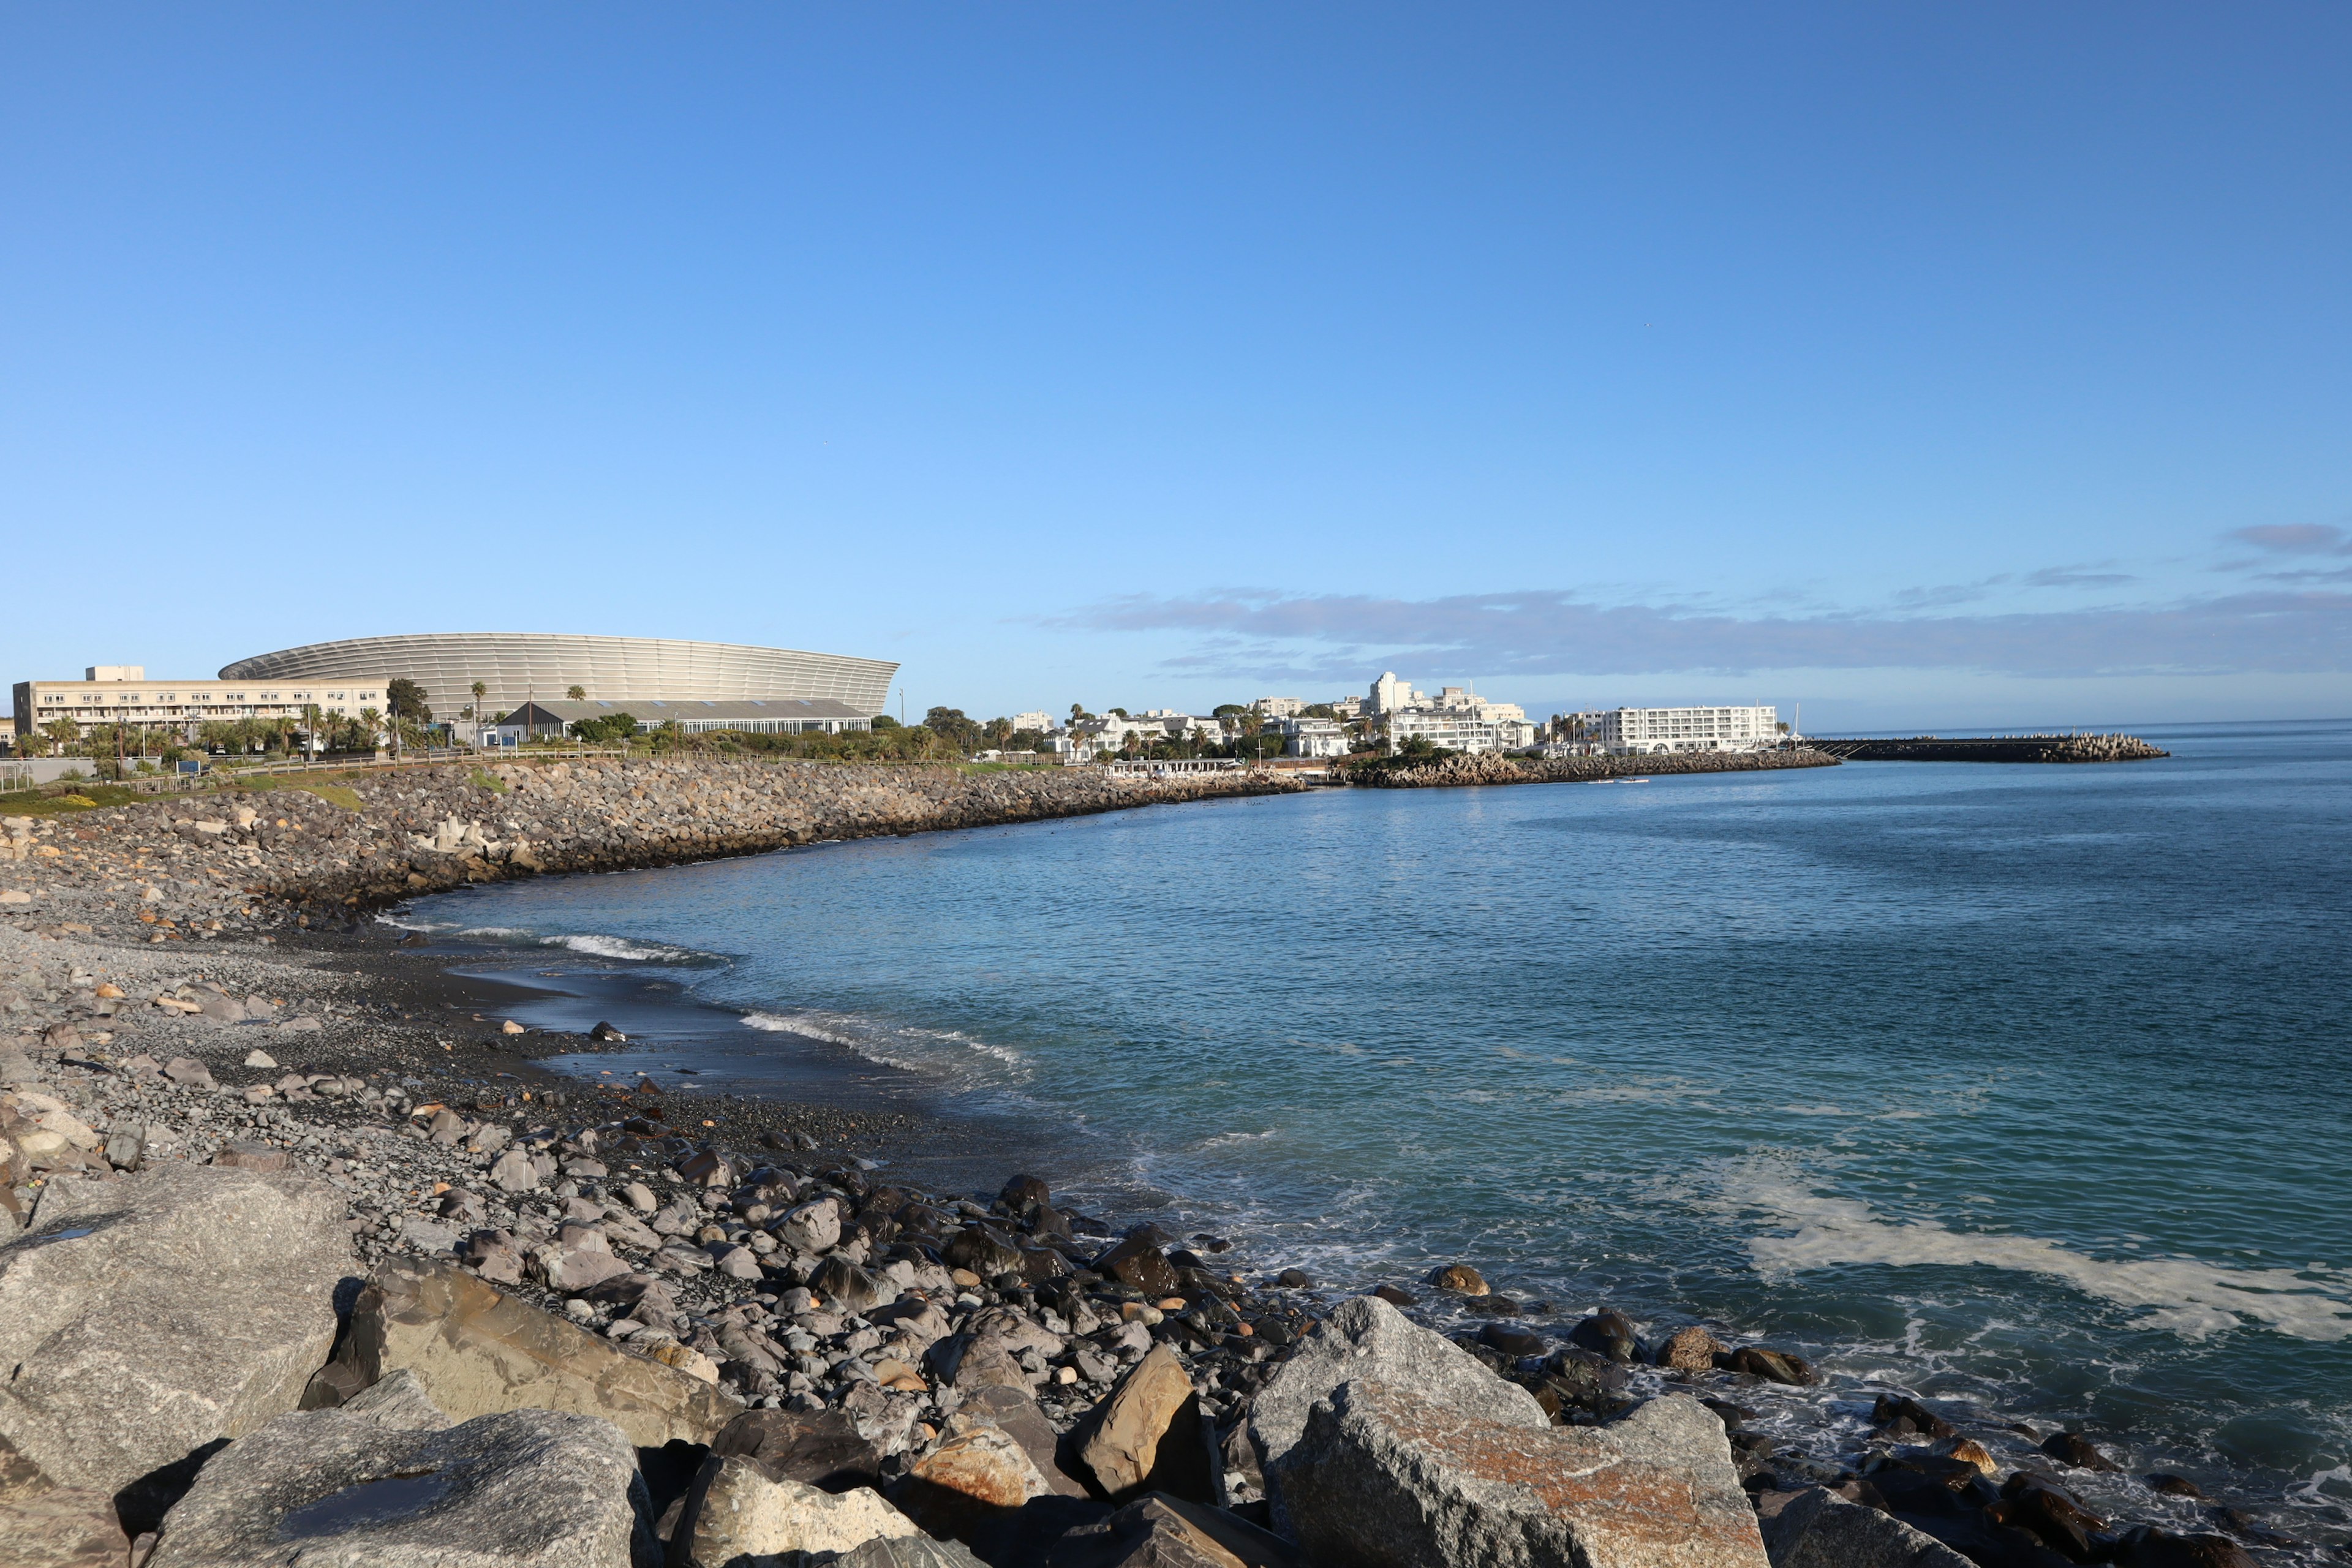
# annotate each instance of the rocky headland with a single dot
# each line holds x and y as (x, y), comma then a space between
(292, 1272)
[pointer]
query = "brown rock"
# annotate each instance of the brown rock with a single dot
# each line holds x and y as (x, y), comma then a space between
(1460, 1279)
(1121, 1442)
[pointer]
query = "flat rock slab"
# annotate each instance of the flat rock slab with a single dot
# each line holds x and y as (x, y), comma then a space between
(479, 1351)
(1386, 1480)
(338, 1489)
(147, 1316)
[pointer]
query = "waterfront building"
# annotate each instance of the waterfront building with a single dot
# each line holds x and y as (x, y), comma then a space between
(1456, 718)
(1347, 707)
(1648, 732)
(1280, 706)
(1036, 720)
(1312, 737)
(517, 667)
(110, 694)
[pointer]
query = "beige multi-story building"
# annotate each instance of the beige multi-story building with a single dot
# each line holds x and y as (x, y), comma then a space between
(121, 694)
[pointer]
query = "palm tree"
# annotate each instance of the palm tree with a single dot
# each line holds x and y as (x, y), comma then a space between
(576, 693)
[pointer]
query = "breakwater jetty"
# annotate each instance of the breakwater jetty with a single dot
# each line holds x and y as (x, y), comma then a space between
(190, 867)
(2073, 748)
(1490, 768)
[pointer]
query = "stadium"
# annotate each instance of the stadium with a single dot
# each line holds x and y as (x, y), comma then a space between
(652, 677)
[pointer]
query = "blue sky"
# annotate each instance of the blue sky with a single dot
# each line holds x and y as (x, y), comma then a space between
(1929, 364)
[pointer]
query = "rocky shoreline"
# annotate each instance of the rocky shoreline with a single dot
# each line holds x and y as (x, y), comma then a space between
(293, 1271)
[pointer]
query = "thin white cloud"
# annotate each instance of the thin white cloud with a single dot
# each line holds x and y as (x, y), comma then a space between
(1265, 632)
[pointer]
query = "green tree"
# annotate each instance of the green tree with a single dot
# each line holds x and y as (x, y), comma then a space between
(951, 725)
(1228, 710)
(63, 734)
(611, 727)
(884, 723)
(407, 700)
(576, 693)
(997, 732)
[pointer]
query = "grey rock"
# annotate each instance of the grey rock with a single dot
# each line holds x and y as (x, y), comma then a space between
(345, 1488)
(1367, 1338)
(514, 1172)
(1384, 1479)
(1818, 1529)
(152, 1314)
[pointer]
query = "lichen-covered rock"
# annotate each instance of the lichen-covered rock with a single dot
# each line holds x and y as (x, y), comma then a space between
(479, 1351)
(1383, 1478)
(146, 1317)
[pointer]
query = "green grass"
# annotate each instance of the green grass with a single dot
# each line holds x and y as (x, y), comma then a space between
(81, 798)
(488, 780)
(334, 794)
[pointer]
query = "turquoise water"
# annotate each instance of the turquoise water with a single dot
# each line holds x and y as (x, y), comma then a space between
(2018, 1085)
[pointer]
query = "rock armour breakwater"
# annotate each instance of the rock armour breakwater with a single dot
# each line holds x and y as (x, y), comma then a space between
(1491, 769)
(197, 863)
(1995, 749)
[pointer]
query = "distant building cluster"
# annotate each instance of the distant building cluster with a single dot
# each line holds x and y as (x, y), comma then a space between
(494, 690)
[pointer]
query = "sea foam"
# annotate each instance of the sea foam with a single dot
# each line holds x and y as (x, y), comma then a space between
(2186, 1297)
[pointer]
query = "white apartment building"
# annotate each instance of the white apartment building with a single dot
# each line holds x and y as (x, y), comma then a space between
(121, 694)
(1645, 732)
(1280, 706)
(1037, 720)
(1312, 737)
(1461, 729)
(1348, 707)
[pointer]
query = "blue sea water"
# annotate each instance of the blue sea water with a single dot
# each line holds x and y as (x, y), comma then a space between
(2023, 1085)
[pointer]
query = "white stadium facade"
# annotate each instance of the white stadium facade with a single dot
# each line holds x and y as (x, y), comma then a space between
(654, 673)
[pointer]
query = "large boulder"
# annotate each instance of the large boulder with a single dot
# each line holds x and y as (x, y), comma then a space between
(1818, 1529)
(479, 1351)
(1385, 1478)
(737, 1509)
(1367, 1338)
(387, 1481)
(147, 1318)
